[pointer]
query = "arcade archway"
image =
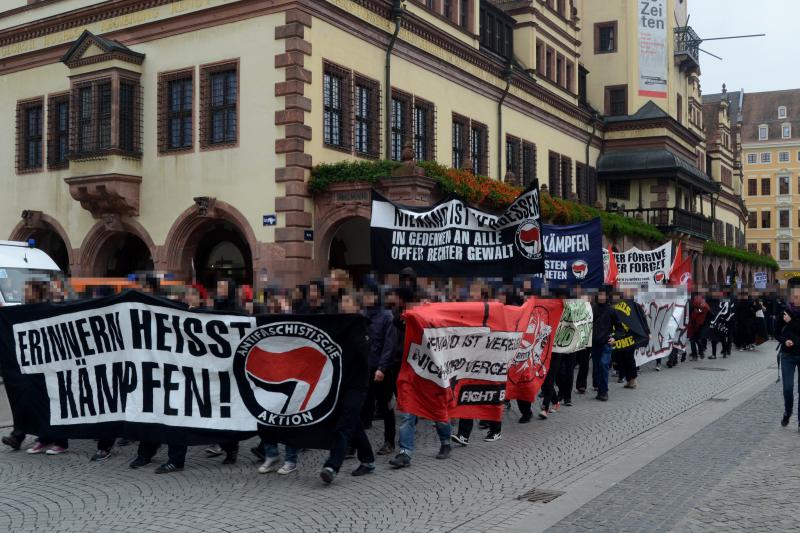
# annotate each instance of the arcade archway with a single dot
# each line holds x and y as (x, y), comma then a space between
(222, 253)
(349, 247)
(122, 254)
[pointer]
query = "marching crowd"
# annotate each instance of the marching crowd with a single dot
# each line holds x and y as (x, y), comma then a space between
(721, 319)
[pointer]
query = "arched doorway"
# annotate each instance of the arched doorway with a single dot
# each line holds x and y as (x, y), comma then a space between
(710, 279)
(121, 254)
(53, 245)
(349, 247)
(222, 253)
(721, 276)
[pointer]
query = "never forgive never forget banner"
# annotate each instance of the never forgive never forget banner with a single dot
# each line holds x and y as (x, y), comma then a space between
(144, 368)
(648, 268)
(453, 238)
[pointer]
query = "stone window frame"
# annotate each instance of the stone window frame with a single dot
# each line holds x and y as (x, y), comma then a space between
(345, 75)
(607, 104)
(54, 100)
(373, 120)
(163, 98)
(763, 128)
(598, 27)
(22, 127)
(206, 70)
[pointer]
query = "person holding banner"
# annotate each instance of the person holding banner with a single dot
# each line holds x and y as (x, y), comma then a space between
(605, 319)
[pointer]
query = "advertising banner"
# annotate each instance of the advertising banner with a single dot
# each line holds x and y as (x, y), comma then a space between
(652, 19)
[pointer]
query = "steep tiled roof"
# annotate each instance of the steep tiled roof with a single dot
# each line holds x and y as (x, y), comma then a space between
(762, 108)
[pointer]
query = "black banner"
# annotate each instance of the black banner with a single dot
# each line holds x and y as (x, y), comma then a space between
(452, 238)
(144, 368)
(632, 331)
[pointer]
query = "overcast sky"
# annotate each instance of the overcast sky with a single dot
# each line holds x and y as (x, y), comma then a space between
(755, 64)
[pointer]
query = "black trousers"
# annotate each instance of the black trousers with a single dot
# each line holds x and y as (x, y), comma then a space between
(465, 426)
(582, 359)
(176, 454)
(525, 408)
(106, 444)
(381, 394)
(566, 377)
(349, 429)
(627, 362)
(549, 387)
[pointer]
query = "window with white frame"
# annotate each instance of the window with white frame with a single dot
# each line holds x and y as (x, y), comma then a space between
(783, 157)
(786, 131)
(782, 111)
(763, 133)
(766, 157)
(752, 159)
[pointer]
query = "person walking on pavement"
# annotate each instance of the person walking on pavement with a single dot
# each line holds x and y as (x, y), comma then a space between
(697, 326)
(788, 335)
(602, 341)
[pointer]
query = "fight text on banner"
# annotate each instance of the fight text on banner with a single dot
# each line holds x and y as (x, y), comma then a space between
(140, 367)
(453, 238)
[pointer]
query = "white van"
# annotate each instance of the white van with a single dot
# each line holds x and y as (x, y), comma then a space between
(20, 262)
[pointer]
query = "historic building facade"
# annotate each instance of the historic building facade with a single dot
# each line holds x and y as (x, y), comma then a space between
(179, 135)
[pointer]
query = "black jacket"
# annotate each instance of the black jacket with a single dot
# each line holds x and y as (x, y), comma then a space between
(785, 331)
(604, 321)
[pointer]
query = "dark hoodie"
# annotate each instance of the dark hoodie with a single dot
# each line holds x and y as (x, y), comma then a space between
(382, 336)
(789, 331)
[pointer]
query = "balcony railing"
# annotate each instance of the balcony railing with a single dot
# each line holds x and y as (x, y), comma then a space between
(687, 44)
(670, 220)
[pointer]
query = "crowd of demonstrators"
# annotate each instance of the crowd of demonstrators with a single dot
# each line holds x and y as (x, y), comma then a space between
(741, 318)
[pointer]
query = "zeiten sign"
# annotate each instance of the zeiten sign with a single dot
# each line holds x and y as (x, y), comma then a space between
(653, 48)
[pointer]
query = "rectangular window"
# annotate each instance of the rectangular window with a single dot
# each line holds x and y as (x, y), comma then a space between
(786, 131)
(528, 163)
(752, 220)
(582, 79)
(580, 182)
(541, 60)
(752, 247)
(783, 157)
(401, 124)
(765, 187)
(31, 115)
(766, 249)
(560, 70)
(679, 103)
(619, 189)
(85, 115)
(176, 105)
(752, 187)
(460, 147)
(423, 130)
(566, 177)
(479, 140)
(728, 234)
(333, 113)
(367, 117)
(104, 115)
(765, 219)
(550, 64)
(58, 132)
(782, 112)
(763, 133)
(570, 75)
(783, 185)
(605, 37)
(553, 173)
(766, 157)
(752, 159)
(617, 100)
(464, 14)
(783, 251)
(513, 147)
(783, 218)
(127, 98)
(219, 104)
(447, 9)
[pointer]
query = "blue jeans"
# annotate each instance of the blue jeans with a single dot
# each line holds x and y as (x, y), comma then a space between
(408, 428)
(788, 365)
(271, 450)
(601, 359)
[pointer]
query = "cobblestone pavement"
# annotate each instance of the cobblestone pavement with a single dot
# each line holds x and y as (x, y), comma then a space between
(475, 490)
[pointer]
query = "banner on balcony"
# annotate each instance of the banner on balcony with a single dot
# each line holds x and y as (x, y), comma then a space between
(455, 239)
(652, 18)
(574, 254)
(644, 268)
(664, 312)
(136, 366)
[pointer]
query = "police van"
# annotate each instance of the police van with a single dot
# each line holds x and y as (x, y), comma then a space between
(19, 263)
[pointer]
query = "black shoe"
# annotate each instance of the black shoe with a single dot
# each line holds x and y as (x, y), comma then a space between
(444, 451)
(363, 470)
(524, 419)
(12, 442)
(139, 462)
(567, 403)
(327, 475)
(258, 452)
(168, 468)
(386, 449)
(401, 460)
(785, 419)
(230, 458)
(602, 397)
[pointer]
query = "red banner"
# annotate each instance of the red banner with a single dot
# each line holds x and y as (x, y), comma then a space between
(458, 355)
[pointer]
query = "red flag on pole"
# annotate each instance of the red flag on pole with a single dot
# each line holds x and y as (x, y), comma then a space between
(611, 273)
(681, 271)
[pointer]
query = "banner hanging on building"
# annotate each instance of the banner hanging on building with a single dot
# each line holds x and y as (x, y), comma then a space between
(574, 254)
(457, 355)
(664, 311)
(575, 328)
(140, 367)
(455, 239)
(652, 19)
(644, 268)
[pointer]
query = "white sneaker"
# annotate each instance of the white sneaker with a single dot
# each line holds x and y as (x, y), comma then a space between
(287, 468)
(270, 465)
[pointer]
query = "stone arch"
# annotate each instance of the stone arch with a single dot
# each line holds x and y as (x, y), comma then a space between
(99, 235)
(721, 275)
(329, 223)
(183, 237)
(710, 275)
(36, 221)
